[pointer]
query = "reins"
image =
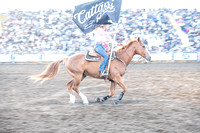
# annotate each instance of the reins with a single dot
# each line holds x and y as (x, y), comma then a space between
(128, 54)
(117, 57)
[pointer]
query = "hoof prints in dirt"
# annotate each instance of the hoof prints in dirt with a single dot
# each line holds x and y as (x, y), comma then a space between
(160, 98)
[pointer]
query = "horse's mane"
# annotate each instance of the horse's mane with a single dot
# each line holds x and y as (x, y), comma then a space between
(125, 46)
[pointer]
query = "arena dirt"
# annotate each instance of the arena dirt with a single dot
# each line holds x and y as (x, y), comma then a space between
(161, 98)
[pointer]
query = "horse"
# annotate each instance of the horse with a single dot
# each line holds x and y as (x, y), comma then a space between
(79, 68)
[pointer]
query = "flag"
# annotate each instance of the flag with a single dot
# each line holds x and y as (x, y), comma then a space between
(91, 15)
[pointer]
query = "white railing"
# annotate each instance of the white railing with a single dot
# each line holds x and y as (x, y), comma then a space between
(39, 58)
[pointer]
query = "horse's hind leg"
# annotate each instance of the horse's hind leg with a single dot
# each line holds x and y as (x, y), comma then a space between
(77, 80)
(69, 86)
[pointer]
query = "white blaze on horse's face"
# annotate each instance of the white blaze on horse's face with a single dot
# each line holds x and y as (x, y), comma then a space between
(147, 54)
(142, 50)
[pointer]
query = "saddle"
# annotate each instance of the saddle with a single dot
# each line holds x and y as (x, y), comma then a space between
(94, 56)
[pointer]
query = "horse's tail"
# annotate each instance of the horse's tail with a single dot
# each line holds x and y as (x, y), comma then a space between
(50, 71)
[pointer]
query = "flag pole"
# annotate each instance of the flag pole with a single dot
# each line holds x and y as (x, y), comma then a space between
(112, 47)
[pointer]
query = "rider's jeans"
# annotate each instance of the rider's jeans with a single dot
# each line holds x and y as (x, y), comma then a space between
(99, 48)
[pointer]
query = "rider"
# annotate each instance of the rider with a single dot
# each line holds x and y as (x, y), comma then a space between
(101, 36)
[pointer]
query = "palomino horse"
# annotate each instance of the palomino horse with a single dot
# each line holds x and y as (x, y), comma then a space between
(79, 68)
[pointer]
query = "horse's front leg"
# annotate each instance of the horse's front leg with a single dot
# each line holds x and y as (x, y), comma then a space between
(121, 84)
(112, 91)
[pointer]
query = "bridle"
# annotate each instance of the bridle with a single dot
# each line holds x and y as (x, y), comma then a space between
(118, 58)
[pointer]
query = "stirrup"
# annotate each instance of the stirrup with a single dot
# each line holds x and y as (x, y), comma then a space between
(103, 74)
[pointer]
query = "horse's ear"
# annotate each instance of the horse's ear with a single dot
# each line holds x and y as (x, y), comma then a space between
(138, 39)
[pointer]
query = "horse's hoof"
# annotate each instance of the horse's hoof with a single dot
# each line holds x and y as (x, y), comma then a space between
(116, 102)
(72, 99)
(86, 104)
(70, 103)
(98, 100)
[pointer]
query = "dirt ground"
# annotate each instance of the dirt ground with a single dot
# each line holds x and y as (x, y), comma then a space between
(161, 98)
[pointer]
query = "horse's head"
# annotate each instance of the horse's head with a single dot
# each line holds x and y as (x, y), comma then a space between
(142, 50)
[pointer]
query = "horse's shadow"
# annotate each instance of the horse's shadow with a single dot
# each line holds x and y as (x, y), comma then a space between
(123, 102)
(109, 103)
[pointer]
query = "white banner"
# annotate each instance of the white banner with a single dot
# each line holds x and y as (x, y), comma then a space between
(5, 58)
(53, 57)
(26, 57)
(161, 56)
(185, 56)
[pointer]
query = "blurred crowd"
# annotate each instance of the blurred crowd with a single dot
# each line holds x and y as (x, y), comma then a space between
(54, 31)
